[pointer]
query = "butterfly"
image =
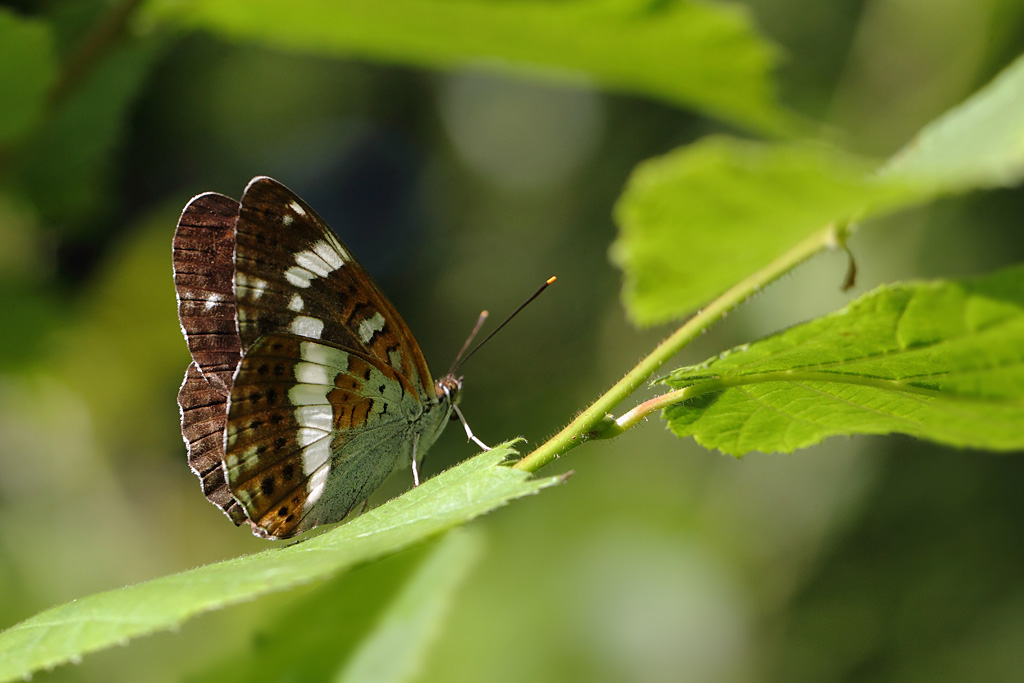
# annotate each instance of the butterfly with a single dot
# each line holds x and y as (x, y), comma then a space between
(306, 388)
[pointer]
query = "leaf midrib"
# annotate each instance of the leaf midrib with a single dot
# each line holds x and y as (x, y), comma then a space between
(709, 386)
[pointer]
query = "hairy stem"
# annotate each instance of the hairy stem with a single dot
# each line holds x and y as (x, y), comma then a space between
(595, 422)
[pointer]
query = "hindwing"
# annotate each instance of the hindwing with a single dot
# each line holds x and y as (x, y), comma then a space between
(312, 429)
(203, 419)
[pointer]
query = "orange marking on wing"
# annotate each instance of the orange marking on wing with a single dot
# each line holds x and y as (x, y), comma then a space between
(271, 487)
(357, 367)
(360, 412)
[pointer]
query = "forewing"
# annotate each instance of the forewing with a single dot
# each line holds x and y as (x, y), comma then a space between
(302, 412)
(292, 274)
(204, 245)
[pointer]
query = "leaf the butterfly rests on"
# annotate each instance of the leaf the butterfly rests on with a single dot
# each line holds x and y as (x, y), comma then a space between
(307, 389)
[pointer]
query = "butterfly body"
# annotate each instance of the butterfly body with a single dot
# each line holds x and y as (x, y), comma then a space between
(306, 388)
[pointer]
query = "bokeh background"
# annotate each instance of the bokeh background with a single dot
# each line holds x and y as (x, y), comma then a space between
(863, 559)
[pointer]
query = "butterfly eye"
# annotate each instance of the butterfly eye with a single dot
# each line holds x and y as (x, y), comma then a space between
(449, 387)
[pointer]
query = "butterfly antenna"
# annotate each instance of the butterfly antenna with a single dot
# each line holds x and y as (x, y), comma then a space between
(460, 359)
(476, 328)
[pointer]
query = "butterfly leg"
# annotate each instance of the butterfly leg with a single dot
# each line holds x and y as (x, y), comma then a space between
(470, 436)
(415, 465)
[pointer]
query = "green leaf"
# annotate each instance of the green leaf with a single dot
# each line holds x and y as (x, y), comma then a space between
(395, 605)
(26, 43)
(67, 632)
(977, 144)
(412, 621)
(696, 54)
(937, 360)
(698, 219)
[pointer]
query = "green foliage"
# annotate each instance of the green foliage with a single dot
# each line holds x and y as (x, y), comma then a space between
(30, 68)
(699, 55)
(941, 360)
(731, 208)
(413, 619)
(104, 619)
(352, 627)
(702, 217)
(977, 144)
(695, 221)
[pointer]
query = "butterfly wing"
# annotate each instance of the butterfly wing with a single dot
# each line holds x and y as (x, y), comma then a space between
(313, 429)
(292, 274)
(203, 419)
(203, 249)
(204, 246)
(264, 286)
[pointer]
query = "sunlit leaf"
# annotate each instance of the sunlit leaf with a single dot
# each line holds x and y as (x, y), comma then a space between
(98, 621)
(696, 220)
(701, 55)
(937, 360)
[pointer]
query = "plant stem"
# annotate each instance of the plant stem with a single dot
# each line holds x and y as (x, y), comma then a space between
(588, 424)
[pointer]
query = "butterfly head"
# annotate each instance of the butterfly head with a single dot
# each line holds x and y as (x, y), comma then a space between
(449, 389)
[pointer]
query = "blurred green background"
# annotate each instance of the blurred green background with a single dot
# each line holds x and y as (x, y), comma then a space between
(864, 559)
